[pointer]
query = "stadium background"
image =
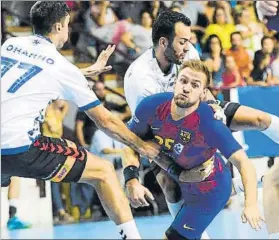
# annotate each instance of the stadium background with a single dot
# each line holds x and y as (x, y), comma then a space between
(128, 25)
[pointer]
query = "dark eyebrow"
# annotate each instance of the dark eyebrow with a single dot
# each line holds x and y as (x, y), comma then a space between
(185, 39)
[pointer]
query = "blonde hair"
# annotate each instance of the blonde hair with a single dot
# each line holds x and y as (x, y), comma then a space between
(199, 66)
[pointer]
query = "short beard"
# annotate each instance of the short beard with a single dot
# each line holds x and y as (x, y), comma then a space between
(170, 55)
(182, 103)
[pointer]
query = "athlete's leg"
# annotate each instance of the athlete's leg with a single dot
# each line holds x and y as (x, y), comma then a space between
(271, 198)
(13, 196)
(203, 201)
(101, 175)
(172, 194)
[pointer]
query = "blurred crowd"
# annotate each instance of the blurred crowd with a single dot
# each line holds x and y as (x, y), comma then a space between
(237, 48)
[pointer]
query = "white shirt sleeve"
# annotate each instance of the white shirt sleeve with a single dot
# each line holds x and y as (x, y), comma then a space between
(137, 88)
(75, 86)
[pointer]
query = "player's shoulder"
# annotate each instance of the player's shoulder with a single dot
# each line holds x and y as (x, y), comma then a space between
(141, 66)
(155, 100)
(205, 111)
(14, 40)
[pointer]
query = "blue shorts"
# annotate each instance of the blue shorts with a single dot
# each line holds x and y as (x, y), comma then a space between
(203, 201)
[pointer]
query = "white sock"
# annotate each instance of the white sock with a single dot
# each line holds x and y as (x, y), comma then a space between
(128, 230)
(237, 185)
(174, 208)
(205, 235)
(273, 130)
(13, 203)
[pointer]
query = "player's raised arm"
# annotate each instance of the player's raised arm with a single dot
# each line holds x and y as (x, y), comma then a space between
(219, 136)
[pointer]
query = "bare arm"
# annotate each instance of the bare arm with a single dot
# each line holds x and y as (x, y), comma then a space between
(116, 129)
(248, 175)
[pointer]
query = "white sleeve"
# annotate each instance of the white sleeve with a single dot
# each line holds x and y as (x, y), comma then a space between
(75, 87)
(192, 54)
(137, 88)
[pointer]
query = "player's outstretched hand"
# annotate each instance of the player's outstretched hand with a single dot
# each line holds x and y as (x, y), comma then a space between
(253, 216)
(138, 194)
(100, 65)
(268, 8)
(219, 113)
(149, 150)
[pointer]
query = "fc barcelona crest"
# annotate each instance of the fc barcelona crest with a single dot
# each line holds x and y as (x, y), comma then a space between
(185, 136)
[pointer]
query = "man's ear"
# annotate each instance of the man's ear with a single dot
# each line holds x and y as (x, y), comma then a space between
(203, 95)
(163, 42)
(57, 27)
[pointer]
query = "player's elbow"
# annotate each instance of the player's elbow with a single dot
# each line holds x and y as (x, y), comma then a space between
(261, 120)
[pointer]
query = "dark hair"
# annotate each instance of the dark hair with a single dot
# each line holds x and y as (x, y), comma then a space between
(215, 13)
(43, 15)
(264, 38)
(207, 48)
(164, 25)
(236, 33)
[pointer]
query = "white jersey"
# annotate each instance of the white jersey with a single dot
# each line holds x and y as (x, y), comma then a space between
(33, 74)
(144, 77)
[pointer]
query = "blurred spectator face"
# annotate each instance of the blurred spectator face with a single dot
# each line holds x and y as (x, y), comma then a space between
(236, 40)
(99, 89)
(180, 45)
(245, 17)
(268, 46)
(215, 45)
(220, 16)
(194, 38)
(230, 63)
(146, 20)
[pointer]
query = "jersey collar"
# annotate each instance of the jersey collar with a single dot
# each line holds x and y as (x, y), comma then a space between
(43, 37)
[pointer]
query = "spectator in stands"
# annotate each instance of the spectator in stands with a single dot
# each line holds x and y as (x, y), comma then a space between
(104, 146)
(222, 25)
(53, 127)
(267, 44)
(275, 70)
(192, 9)
(85, 127)
(156, 7)
(130, 10)
(232, 77)
(138, 38)
(13, 196)
(246, 5)
(261, 74)
(240, 55)
(214, 59)
(251, 31)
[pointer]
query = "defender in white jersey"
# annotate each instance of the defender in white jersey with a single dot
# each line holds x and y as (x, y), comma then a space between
(154, 72)
(33, 74)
